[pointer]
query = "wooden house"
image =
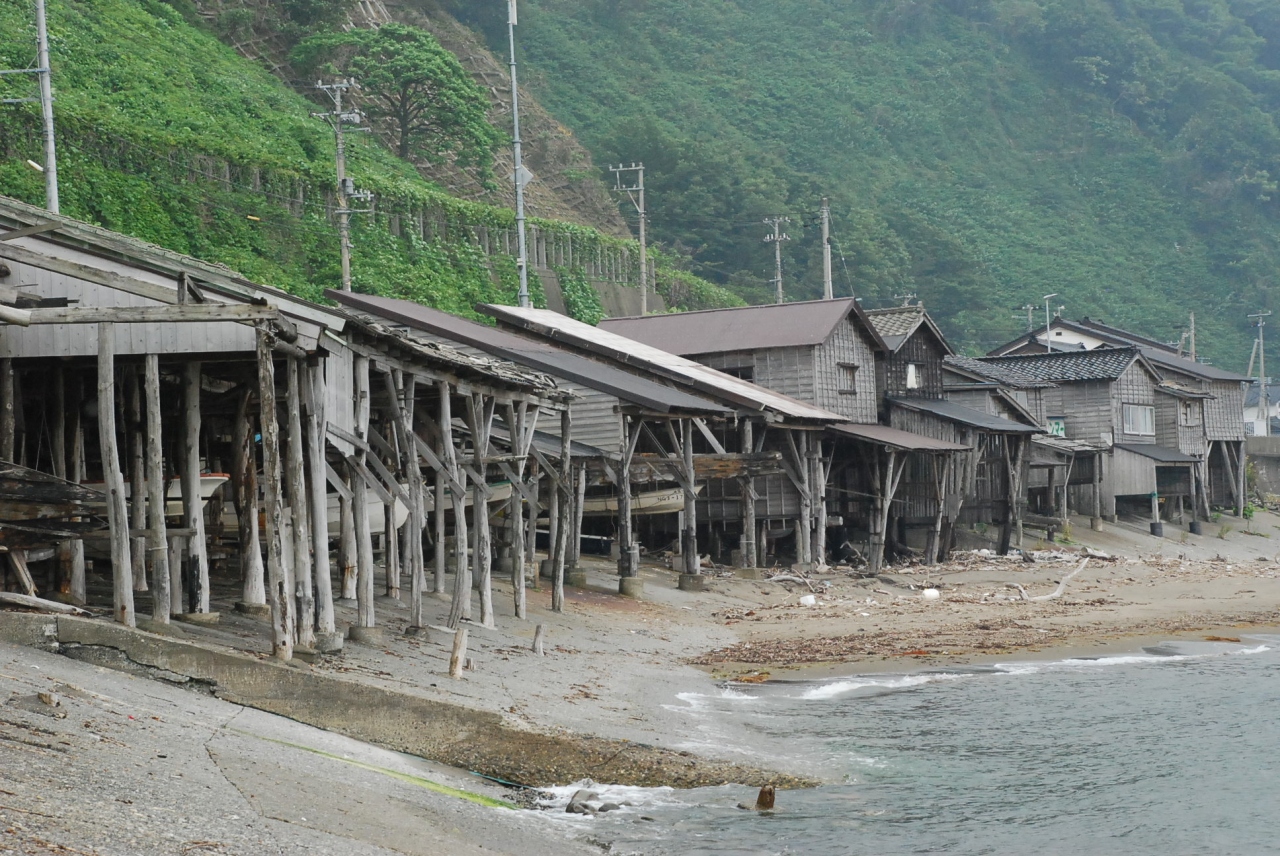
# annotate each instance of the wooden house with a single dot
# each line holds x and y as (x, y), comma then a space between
(766, 422)
(830, 353)
(1117, 399)
(1213, 408)
(984, 487)
(250, 399)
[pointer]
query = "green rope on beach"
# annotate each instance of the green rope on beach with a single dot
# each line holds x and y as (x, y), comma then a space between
(427, 784)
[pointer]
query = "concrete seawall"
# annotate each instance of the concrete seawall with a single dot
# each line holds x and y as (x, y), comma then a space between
(472, 739)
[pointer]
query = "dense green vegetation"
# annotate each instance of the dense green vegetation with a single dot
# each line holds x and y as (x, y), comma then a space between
(978, 153)
(169, 135)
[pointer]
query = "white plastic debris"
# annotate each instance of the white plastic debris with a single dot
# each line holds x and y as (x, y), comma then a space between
(808, 600)
(931, 594)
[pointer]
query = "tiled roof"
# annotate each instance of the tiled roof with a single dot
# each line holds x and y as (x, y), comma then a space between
(954, 412)
(995, 373)
(1098, 364)
(897, 320)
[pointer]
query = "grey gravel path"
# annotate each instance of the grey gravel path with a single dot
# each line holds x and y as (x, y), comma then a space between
(125, 765)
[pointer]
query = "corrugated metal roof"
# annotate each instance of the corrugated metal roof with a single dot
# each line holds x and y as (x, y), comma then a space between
(1156, 453)
(1098, 364)
(954, 412)
(742, 328)
(705, 380)
(995, 373)
(894, 438)
(537, 354)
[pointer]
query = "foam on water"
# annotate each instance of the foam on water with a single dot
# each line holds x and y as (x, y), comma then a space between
(836, 688)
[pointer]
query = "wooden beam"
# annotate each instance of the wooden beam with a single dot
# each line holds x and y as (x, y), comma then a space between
(28, 231)
(701, 425)
(188, 314)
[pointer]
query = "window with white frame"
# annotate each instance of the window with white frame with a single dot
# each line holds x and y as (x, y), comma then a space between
(913, 376)
(1140, 420)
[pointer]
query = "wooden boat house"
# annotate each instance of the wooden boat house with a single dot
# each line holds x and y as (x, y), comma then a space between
(126, 364)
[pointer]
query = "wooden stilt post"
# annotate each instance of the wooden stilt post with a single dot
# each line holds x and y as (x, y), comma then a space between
(460, 607)
(75, 427)
(1095, 522)
(117, 508)
(295, 474)
(1241, 463)
(245, 483)
(440, 556)
(480, 420)
(627, 553)
(747, 497)
(562, 487)
(8, 411)
(515, 417)
(365, 616)
(818, 480)
(347, 552)
(458, 656)
(941, 475)
(137, 478)
(193, 508)
(157, 538)
(317, 428)
(804, 486)
(279, 592)
(58, 451)
(402, 415)
(579, 500)
(690, 564)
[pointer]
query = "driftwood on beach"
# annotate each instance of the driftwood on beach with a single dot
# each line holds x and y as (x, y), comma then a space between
(1056, 593)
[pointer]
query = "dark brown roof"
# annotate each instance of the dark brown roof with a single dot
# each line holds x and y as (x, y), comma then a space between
(953, 412)
(895, 438)
(533, 353)
(743, 328)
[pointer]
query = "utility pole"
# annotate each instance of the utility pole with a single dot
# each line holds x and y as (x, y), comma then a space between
(776, 239)
(1048, 344)
(1193, 337)
(46, 110)
(520, 176)
(338, 119)
(43, 72)
(635, 192)
(827, 292)
(1029, 308)
(1262, 373)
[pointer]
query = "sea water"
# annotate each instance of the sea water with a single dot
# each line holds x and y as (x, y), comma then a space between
(1174, 749)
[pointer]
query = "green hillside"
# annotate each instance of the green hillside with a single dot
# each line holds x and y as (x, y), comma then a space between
(978, 153)
(169, 135)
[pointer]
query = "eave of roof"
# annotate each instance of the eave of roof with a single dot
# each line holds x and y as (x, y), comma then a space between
(1160, 454)
(894, 438)
(707, 381)
(954, 412)
(522, 350)
(744, 328)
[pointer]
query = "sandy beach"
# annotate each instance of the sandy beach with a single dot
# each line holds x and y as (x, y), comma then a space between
(624, 673)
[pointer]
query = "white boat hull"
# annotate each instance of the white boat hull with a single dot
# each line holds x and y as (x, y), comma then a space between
(650, 502)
